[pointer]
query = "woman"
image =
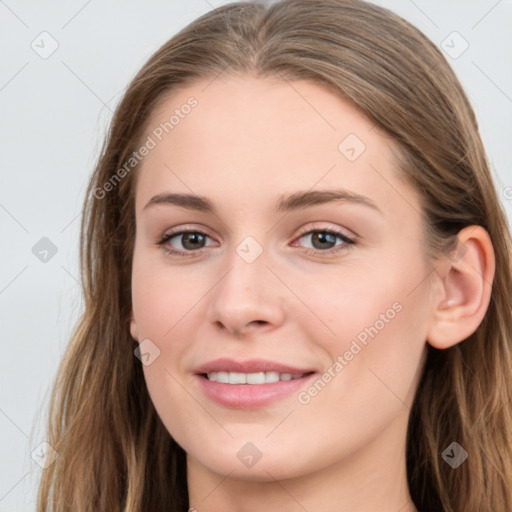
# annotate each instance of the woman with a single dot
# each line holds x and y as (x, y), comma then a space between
(297, 280)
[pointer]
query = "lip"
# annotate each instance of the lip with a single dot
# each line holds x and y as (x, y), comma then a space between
(249, 396)
(249, 366)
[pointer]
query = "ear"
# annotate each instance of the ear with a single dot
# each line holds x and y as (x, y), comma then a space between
(133, 326)
(465, 280)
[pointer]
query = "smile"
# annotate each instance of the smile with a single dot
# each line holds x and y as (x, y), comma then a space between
(251, 378)
(250, 384)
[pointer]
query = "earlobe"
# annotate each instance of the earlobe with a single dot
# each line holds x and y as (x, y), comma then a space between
(133, 327)
(466, 282)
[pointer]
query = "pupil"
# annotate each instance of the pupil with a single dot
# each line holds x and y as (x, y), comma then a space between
(324, 239)
(192, 238)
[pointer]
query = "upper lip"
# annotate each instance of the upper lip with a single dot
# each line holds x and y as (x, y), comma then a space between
(249, 366)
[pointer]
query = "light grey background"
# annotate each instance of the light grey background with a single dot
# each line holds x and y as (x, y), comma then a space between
(54, 113)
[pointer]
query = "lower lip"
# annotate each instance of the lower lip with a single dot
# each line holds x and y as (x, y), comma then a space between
(250, 396)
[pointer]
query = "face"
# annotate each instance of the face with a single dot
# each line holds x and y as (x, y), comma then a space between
(284, 313)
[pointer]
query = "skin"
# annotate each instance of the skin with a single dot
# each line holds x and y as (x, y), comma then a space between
(249, 141)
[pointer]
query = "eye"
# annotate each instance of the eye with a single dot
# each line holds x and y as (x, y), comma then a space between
(326, 241)
(184, 241)
(189, 242)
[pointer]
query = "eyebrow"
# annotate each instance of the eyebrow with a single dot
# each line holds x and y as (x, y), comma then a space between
(296, 201)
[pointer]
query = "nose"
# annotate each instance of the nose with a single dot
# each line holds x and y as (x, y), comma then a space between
(247, 298)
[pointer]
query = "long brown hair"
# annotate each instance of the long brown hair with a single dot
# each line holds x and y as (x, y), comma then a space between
(114, 454)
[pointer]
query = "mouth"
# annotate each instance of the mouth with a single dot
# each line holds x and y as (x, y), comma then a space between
(250, 384)
(251, 378)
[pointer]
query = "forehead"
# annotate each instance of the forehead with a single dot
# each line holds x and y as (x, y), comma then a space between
(259, 137)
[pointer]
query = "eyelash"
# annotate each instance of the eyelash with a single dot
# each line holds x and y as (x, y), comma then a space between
(347, 242)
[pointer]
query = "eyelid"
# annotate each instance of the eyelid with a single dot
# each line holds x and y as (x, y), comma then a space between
(190, 228)
(318, 226)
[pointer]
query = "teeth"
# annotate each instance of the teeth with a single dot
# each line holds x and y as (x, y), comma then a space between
(251, 378)
(223, 377)
(255, 378)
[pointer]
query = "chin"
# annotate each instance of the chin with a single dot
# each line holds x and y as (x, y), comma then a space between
(256, 461)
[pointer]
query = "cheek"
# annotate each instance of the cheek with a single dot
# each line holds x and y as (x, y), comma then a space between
(160, 298)
(162, 307)
(380, 320)
(375, 353)
(364, 304)
(375, 319)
